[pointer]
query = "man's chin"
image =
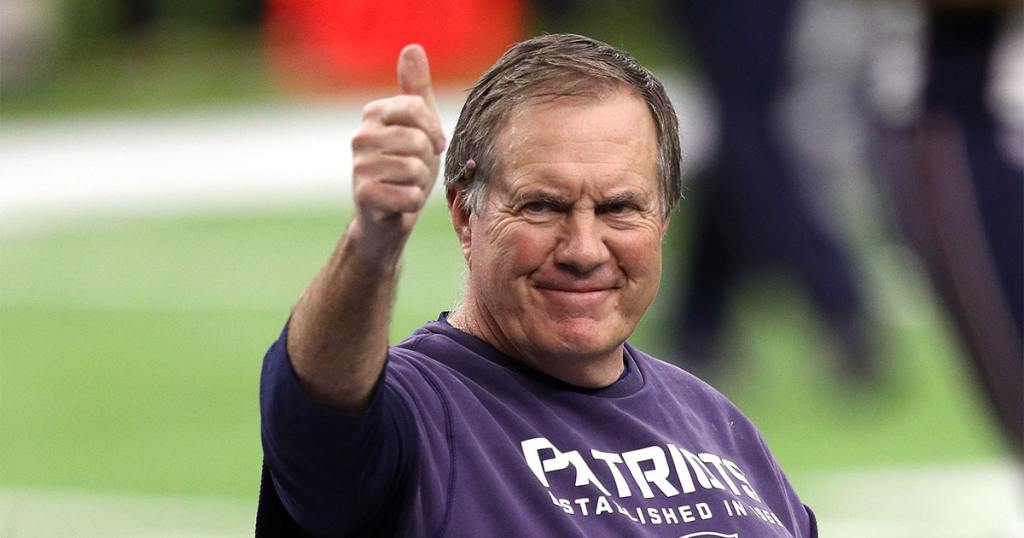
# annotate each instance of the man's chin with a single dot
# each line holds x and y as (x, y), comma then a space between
(582, 336)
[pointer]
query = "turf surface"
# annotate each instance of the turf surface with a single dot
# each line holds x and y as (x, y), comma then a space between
(130, 354)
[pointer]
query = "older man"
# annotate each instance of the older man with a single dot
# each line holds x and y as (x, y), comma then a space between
(523, 412)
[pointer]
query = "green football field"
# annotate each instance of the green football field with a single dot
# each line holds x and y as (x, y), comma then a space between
(130, 352)
(130, 347)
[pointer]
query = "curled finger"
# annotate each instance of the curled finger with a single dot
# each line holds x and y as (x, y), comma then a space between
(413, 111)
(396, 169)
(394, 140)
(389, 198)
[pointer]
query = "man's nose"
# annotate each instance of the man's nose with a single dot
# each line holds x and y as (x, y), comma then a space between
(581, 247)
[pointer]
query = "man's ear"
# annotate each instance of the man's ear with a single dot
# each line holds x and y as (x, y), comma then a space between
(665, 222)
(460, 221)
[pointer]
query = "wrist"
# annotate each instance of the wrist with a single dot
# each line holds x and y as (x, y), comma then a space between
(376, 241)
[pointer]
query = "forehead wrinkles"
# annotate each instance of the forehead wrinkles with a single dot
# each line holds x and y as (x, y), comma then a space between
(575, 90)
(545, 97)
(522, 137)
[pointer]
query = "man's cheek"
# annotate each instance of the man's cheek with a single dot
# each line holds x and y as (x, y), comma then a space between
(528, 242)
(640, 262)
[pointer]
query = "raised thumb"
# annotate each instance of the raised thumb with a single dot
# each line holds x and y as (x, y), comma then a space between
(414, 73)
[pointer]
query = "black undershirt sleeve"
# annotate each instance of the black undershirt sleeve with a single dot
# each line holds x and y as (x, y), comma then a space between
(336, 473)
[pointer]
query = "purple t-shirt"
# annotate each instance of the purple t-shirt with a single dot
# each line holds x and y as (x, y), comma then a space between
(460, 440)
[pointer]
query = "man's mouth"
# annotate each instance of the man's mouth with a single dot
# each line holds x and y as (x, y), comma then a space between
(574, 289)
(575, 296)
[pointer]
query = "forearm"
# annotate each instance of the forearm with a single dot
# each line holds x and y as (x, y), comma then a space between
(338, 334)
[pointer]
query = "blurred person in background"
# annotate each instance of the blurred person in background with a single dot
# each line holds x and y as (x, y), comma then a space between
(958, 194)
(29, 38)
(754, 213)
(141, 16)
(753, 210)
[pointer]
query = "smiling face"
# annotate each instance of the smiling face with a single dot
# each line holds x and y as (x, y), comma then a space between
(565, 254)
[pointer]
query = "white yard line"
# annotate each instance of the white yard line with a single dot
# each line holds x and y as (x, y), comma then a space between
(38, 513)
(199, 160)
(968, 500)
(270, 156)
(960, 500)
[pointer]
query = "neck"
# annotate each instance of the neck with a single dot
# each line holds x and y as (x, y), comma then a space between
(588, 371)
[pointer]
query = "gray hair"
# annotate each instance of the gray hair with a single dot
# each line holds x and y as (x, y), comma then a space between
(553, 65)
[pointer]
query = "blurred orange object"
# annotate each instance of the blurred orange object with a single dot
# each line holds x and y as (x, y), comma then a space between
(324, 45)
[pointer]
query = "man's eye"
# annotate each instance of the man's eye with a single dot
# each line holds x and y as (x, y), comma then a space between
(536, 207)
(618, 209)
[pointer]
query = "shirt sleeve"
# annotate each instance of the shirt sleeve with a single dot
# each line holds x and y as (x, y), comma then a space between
(336, 472)
(813, 521)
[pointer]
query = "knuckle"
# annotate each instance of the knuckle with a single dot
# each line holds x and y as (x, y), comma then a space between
(418, 197)
(373, 108)
(360, 165)
(409, 167)
(410, 200)
(414, 168)
(436, 136)
(414, 105)
(363, 195)
(422, 169)
(362, 139)
(421, 140)
(392, 202)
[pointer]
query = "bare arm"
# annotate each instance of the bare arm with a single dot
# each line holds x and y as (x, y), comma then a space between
(338, 335)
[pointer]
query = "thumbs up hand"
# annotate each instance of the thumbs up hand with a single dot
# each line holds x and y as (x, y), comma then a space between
(396, 151)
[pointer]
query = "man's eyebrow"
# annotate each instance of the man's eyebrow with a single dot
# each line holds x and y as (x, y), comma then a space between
(540, 196)
(627, 197)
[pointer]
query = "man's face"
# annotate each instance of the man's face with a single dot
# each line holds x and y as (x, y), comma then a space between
(565, 256)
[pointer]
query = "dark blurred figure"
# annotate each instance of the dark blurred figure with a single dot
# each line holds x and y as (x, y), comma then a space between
(752, 214)
(136, 17)
(959, 199)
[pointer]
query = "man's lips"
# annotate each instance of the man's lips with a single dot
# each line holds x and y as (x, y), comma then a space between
(560, 280)
(574, 288)
(576, 296)
(561, 297)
